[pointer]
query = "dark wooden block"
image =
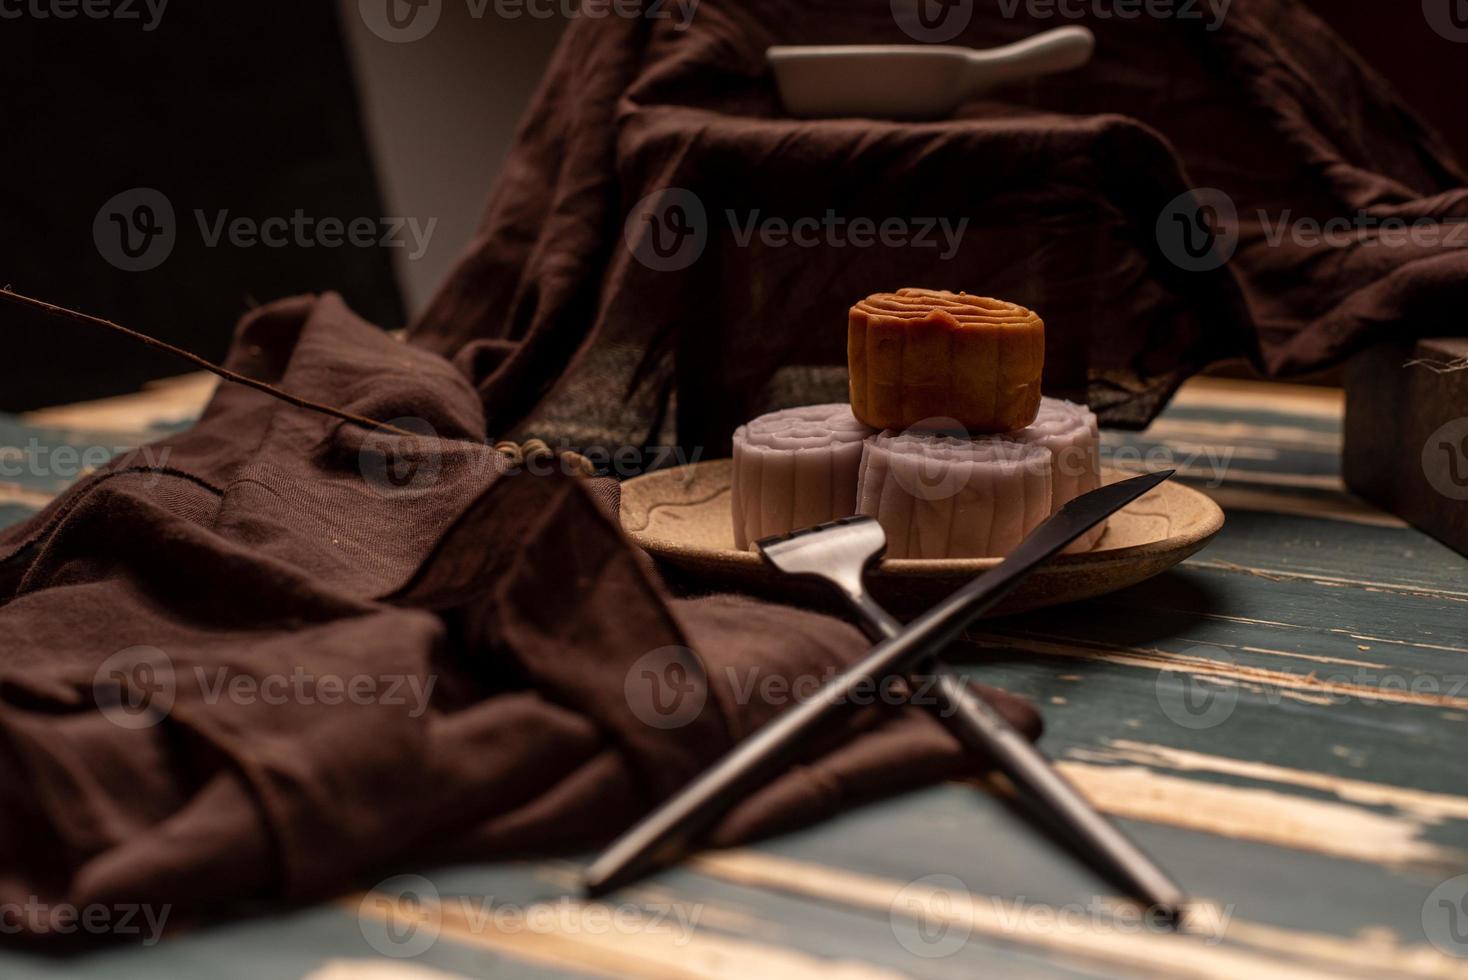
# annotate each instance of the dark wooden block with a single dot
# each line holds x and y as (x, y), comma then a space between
(1406, 434)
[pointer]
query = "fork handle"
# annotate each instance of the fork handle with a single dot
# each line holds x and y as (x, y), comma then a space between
(984, 731)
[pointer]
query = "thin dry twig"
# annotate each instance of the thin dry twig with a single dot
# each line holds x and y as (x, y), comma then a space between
(62, 312)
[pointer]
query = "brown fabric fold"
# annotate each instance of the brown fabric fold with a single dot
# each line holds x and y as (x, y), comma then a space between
(183, 631)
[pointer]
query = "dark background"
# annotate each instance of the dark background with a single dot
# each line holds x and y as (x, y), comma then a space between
(265, 107)
(248, 107)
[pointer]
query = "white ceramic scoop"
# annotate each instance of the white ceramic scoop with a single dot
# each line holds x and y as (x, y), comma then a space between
(914, 81)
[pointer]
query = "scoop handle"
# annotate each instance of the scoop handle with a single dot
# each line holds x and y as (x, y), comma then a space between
(1053, 51)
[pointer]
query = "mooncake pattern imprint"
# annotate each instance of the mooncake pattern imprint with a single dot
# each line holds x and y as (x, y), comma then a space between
(795, 468)
(1071, 434)
(919, 354)
(941, 496)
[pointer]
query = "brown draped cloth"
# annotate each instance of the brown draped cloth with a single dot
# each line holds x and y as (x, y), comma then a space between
(277, 654)
(1063, 181)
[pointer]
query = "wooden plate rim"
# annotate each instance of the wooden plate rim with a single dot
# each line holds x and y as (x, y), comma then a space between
(1198, 533)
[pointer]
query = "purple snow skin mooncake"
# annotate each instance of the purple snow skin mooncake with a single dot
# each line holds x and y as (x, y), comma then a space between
(795, 468)
(942, 496)
(1071, 434)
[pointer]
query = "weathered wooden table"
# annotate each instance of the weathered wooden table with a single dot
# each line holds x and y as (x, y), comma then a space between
(1281, 721)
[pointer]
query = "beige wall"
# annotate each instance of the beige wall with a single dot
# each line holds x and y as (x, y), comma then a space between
(440, 113)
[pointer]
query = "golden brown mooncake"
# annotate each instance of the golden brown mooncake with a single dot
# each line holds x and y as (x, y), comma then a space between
(919, 355)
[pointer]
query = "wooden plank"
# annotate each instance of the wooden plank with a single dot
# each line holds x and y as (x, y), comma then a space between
(163, 404)
(1397, 559)
(1230, 395)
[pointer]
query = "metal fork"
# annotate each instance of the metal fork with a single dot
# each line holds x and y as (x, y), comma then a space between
(839, 553)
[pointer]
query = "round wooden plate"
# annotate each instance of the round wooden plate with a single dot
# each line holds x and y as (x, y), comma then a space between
(681, 517)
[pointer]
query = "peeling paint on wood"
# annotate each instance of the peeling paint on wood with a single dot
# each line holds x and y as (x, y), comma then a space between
(1431, 807)
(1277, 953)
(1267, 816)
